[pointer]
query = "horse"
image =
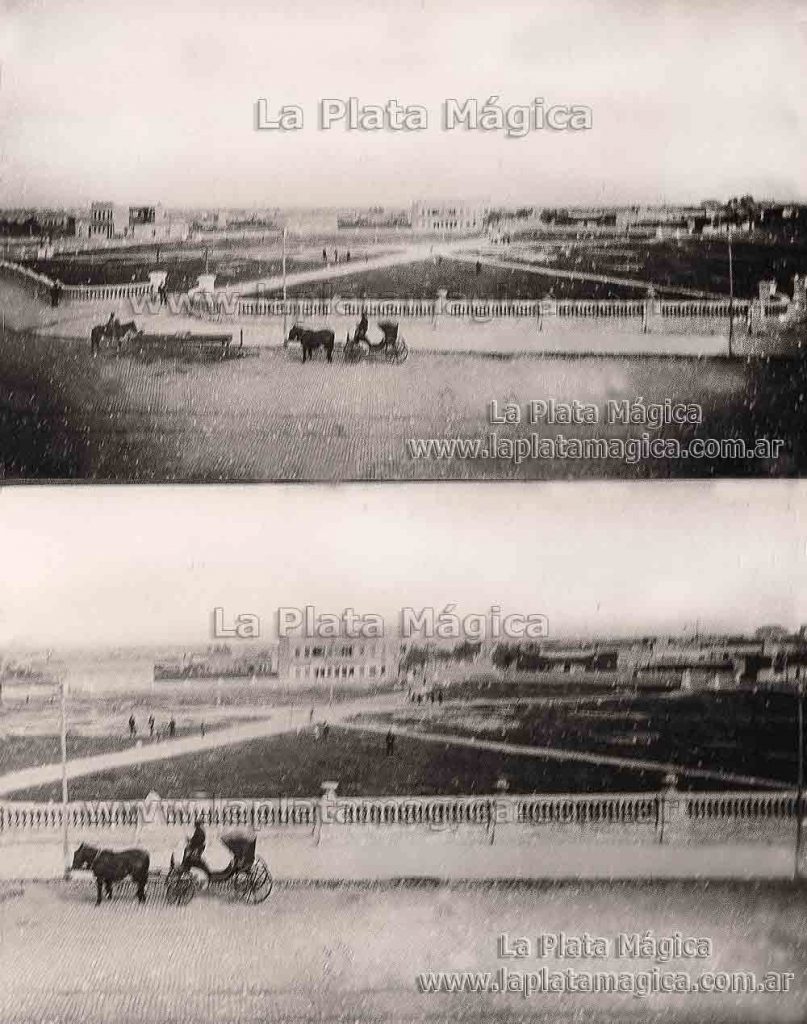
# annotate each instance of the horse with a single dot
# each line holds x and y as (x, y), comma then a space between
(116, 332)
(97, 335)
(312, 339)
(109, 867)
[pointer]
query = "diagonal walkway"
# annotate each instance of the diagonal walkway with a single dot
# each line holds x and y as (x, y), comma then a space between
(560, 754)
(411, 254)
(280, 721)
(582, 275)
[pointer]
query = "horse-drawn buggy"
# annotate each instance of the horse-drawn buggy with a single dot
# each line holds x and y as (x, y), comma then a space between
(246, 877)
(391, 344)
(358, 345)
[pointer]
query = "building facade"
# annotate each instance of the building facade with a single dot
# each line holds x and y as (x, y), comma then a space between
(455, 217)
(138, 223)
(107, 220)
(219, 663)
(345, 661)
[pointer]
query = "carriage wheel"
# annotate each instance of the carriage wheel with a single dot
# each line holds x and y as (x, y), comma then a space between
(179, 888)
(254, 884)
(398, 352)
(355, 352)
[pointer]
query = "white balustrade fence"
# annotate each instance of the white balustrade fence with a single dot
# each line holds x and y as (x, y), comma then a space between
(626, 810)
(230, 303)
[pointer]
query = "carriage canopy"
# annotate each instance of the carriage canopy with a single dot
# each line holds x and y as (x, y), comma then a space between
(242, 846)
(389, 329)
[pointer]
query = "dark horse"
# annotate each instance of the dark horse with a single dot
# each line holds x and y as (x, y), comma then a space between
(109, 867)
(116, 332)
(312, 339)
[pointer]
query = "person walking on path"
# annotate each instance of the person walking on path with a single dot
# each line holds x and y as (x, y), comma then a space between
(132, 727)
(151, 727)
(172, 727)
(390, 743)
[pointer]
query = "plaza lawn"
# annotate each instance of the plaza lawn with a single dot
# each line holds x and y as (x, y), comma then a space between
(425, 278)
(295, 765)
(27, 751)
(740, 732)
(695, 263)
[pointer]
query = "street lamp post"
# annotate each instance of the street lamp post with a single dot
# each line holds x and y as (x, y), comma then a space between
(731, 296)
(284, 288)
(799, 777)
(63, 738)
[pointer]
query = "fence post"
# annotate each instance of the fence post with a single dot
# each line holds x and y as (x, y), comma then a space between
(439, 307)
(672, 809)
(325, 807)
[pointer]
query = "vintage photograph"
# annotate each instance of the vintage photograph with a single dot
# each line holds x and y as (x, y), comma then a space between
(497, 754)
(420, 240)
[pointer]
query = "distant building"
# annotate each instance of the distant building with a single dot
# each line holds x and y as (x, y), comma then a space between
(771, 633)
(139, 223)
(345, 660)
(219, 663)
(454, 217)
(152, 223)
(107, 220)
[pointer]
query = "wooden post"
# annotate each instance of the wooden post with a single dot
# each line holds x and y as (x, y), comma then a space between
(800, 776)
(285, 324)
(731, 297)
(63, 737)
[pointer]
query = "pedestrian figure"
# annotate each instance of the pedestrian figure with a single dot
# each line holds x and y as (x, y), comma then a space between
(202, 728)
(324, 256)
(325, 730)
(132, 727)
(390, 743)
(151, 726)
(439, 696)
(172, 727)
(347, 256)
(478, 268)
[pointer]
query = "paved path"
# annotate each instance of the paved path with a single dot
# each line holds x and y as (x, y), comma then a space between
(353, 954)
(280, 721)
(558, 754)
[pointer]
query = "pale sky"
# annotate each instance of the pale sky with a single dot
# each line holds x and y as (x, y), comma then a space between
(151, 101)
(86, 566)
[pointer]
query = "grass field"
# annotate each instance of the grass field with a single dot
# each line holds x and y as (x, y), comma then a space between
(232, 260)
(699, 264)
(26, 751)
(296, 765)
(691, 263)
(742, 732)
(745, 733)
(460, 280)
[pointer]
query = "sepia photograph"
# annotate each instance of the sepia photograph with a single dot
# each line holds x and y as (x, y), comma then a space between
(497, 754)
(403, 545)
(419, 241)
